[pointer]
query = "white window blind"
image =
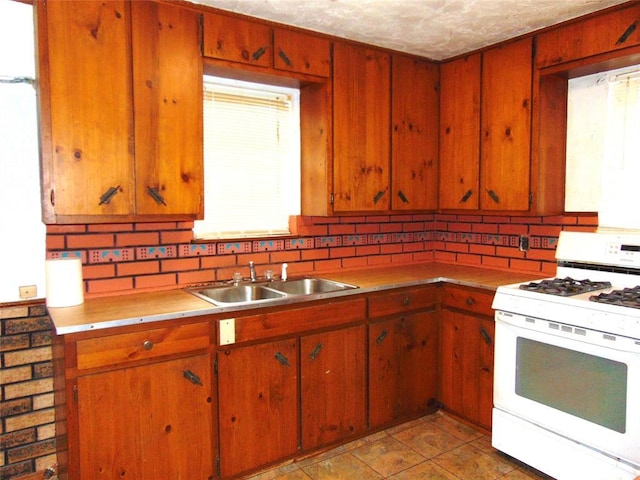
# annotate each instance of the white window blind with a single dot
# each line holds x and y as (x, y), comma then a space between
(251, 159)
(620, 193)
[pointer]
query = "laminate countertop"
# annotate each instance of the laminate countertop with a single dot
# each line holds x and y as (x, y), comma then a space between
(136, 308)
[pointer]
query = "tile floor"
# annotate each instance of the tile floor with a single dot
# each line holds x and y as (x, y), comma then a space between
(435, 447)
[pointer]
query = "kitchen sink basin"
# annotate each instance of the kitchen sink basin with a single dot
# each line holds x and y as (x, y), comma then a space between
(239, 294)
(249, 293)
(309, 286)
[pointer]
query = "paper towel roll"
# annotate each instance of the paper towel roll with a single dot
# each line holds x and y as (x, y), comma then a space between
(63, 281)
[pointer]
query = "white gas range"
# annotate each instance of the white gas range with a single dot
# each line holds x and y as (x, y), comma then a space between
(567, 362)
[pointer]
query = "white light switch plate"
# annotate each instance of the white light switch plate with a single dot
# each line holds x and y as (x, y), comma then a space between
(227, 329)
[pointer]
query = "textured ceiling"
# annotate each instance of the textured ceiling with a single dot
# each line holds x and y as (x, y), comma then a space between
(437, 29)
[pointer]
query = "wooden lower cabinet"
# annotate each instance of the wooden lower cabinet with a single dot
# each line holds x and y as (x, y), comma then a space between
(402, 367)
(149, 421)
(467, 343)
(258, 405)
(333, 379)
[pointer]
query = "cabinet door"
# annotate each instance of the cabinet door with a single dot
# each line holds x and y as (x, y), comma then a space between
(167, 75)
(237, 40)
(506, 127)
(86, 115)
(258, 398)
(152, 421)
(414, 134)
(599, 34)
(333, 373)
(466, 376)
(460, 134)
(361, 108)
(302, 53)
(402, 367)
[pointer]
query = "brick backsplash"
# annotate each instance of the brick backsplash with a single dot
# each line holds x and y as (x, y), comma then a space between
(119, 258)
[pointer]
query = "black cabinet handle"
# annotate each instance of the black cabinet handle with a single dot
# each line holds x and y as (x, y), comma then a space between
(466, 196)
(316, 351)
(282, 359)
(381, 337)
(192, 377)
(258, 53)
(485, 335)
(108, 195)
(627, 33)
(494, 196)
(378, 196)
(153, 192)
(402, 197)
(284, 58)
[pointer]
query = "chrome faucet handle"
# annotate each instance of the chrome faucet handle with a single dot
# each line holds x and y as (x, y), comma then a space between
(252, 272)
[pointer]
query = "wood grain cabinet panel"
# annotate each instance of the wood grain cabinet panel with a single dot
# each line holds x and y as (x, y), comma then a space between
(467, 346)
(414, 133)
(300, 52)
(459, 168)
(333, 392)
(121, 106)
(258, 405)
(237, 40)
(603, 33)
(146, 422)
(361, 125)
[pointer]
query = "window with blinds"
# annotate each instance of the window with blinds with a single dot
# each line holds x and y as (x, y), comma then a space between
(251, 159)
(603, 144)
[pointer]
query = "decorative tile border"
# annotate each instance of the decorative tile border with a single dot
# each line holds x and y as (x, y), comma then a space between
(196, 249)
(328, 242)
(401, 237)
(234, 247)
(108, 256)
(268, 245)
(162, 251)
(67, 254)
(378, 238)
(299, 243)
(354, 239)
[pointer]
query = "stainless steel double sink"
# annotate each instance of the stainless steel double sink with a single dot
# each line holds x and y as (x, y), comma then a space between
(250, 293)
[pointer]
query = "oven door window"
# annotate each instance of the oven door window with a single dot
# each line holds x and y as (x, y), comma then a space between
(586, 386)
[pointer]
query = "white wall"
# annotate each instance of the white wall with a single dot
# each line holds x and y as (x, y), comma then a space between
(22, 234)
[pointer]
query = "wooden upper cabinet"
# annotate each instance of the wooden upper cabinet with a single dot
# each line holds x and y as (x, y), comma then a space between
(302, 53)
(603, 33)
(167, 76)
(506, 127)
(460, 133)
(237, 40)
(121, 107)
(414, 134)
(87, 121)
(361, 124)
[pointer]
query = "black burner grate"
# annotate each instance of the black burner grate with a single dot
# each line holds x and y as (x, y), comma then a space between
(627, 297)
(564, 287)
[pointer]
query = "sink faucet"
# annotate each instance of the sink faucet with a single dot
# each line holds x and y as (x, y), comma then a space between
(252, 272)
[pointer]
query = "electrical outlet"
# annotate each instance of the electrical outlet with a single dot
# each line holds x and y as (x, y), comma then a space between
(227, 329)
(27, 291)
(524, 243)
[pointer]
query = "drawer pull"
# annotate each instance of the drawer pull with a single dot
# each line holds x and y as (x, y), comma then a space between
(407, 301)
(147, 345)
(470, 301)
(381, 337)
(192, 377)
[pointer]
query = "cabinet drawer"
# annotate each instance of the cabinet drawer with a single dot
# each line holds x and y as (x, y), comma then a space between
(399, 301)
(469, 299)
(130, 347)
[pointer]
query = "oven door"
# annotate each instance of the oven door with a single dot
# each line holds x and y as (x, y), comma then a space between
(581, 384)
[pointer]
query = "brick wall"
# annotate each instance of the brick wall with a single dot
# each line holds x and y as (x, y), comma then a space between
(27, 441)
(152, 256)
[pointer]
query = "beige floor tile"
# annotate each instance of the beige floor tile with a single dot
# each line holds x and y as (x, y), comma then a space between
(428, 440)
(456, 428)
(469, 462)
(275, 472)
(387, 456)
(295, 475)
(425, 471)
(341, 467)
